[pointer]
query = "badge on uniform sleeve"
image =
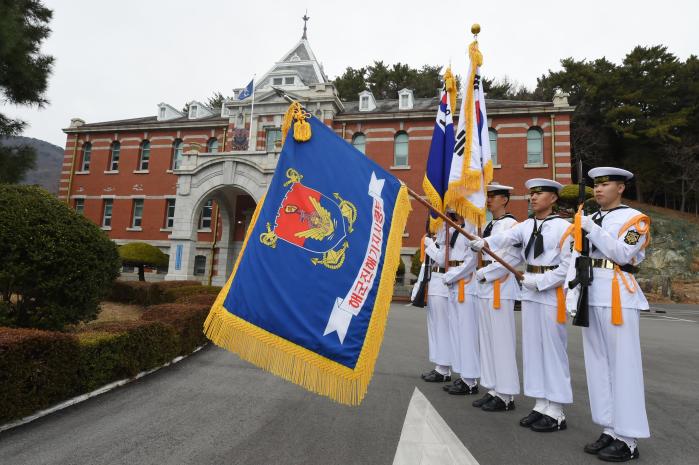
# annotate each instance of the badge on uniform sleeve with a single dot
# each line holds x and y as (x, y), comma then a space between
(632, 237)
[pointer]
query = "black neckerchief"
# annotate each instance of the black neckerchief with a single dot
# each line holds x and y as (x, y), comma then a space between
(536, 238)
(598, 217)
(489, 229)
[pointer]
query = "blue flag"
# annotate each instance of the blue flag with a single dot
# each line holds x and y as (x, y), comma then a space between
(247, 91)
(309, 294)
(436, 180)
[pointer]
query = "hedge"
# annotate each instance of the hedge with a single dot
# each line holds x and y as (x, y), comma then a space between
(41, 368)
(145, 293)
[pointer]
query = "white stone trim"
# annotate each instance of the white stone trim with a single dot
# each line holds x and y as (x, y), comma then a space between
(536, 165)
(141, 171)
(111, 172)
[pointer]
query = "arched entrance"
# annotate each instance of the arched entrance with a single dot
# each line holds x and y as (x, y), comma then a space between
(202, 247)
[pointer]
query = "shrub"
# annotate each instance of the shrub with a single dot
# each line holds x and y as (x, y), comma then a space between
(187, 319)
(115, 350)
(37, 369)
(56, 264)
(142, 293)
(198, 299)
(568, 197)
(140, 254)
(194, 290)
(415, 264)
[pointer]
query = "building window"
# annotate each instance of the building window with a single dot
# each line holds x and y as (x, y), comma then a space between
(364, 102)
(277, 81)
(289, 81)
(400, 150)
(199, 265)
(87, 154)
(137, 216)
(359, 142)
(205, 216)
(107, 213)
(272, 136)
(144, 156)
(162, 112)
(79, 205)
(493, 136)
(114, 156)
(177, 150)
(535, 146)
(193, 111)
(212, 145)
(170, 213)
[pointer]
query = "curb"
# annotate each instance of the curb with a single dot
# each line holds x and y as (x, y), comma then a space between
(95, 393)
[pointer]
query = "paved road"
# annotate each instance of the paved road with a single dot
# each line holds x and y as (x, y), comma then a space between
(214, 409)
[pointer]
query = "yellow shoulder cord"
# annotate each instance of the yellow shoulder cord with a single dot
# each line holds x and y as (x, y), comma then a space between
(642, 224)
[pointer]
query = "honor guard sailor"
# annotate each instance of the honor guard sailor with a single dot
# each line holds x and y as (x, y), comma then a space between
(497, 291)
(463, 313)
(618, 236)
(545, 240)
(439, 338)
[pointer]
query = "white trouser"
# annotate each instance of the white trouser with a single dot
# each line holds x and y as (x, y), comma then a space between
(544, 356)
(615, 372)
(498, 339)
(438, 330)
(463, 328)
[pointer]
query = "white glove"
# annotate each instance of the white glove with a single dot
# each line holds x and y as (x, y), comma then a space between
(529, 282)
(477, 244)
(450, 276)
(480, 275)
(429, 242)
(586, 223)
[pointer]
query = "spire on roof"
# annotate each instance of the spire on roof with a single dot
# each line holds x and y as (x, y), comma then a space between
(305, 20)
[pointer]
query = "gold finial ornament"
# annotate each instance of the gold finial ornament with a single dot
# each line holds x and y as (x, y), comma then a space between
(475, 29)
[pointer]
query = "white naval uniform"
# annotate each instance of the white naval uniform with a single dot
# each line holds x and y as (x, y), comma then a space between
(463, 315)
(613, 352)
(544, 339)
(496, 327)
(439, 339)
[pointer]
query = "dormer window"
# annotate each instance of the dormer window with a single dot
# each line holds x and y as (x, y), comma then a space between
(364, 103)
(284, 80)
(162, 112)
(405, 99)
(289, 81)
(277, 81)
(193, 111)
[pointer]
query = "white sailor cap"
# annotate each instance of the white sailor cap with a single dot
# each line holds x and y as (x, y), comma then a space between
(499, 189)
(543, 185)
(609, 173)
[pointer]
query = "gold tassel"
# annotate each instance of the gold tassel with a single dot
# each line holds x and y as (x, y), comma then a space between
(302, 129)
(462, 289)
(561, 301)
(617, 318)
(450, 84)
(577, 231)
(496, 294)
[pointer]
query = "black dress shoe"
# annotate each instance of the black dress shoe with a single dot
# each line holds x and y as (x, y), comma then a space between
(435, 377)
(458, 383)
(496, 404)
(463, 390)
(547, 424)
(530, 419)
(617, 451)
(479, 402)
(603, 441)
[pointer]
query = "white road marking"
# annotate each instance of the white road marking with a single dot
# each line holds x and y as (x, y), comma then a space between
(655, 317)
(427, 439)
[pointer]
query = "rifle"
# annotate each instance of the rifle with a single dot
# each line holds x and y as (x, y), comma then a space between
(583, 263)
(421, 295)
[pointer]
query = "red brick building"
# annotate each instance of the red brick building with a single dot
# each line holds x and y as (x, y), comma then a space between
(188, 183)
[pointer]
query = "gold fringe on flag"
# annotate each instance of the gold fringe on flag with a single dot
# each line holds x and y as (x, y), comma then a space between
(470, 180)
(298, 364)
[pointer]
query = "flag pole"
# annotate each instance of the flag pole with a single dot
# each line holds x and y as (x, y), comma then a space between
(453, 224)
(252, 110)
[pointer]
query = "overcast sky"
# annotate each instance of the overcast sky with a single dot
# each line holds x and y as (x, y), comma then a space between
(119, 59)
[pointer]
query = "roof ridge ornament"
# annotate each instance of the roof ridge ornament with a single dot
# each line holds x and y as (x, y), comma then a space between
(305, 20)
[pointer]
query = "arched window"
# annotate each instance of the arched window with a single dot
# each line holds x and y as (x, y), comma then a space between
(144, 156)
(212, 145)
(359, 142)
(177, 149)
(493, 137)
(199, 265)
(535, 146)
(87, 154)
(400, 149)
(114, 154)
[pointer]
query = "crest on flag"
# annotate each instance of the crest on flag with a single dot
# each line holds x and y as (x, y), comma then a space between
(309, 294)
(246, 91)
